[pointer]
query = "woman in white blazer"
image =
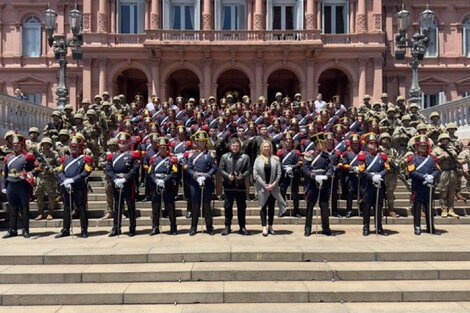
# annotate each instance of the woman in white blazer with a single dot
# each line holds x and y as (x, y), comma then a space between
(266, 174)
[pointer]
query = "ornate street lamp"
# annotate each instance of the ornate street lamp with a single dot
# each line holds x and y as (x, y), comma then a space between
(418, 45)
(60, 44)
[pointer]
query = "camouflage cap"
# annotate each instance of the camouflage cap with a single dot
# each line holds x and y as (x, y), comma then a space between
(46, 140)
(443, 136)
(33, 130)
(451, 125)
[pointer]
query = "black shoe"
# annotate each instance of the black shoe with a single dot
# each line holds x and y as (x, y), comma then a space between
(26, 233)
(188, 214)
(281, 214)
(131, 233)
(307, 232)
(337, 215)
(192, 232)
(84, 233)
(155, 231)
(173, 230)
(243, 232)
(115, 232)
(365, 231)
(348, 214)
(271, 232)
(417, 231)
(226, 231)
(382, 232)
(10, 233)
(434, 232)
(63, 233)
(327, 232)
(210, 230)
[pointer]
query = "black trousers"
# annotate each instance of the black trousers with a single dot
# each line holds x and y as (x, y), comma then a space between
(324, 195)
(128, 194)
(240, 196)
(417, 207)
(196, 195)
(369, 205)
(79, 196)
(168, 198)
(268, 211)
(18, 202)
(294, 182)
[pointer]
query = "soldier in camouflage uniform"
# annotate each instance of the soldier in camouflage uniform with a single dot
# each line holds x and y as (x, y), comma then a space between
(402, 135)
(416, 117)
(112, 148)
(32, 142)
(435, 128)
(391, 177)
(68, 116)
(62, 146)
(7, 148)
(92, 133)
(46, 181)
(464, 160)
(448, 181)
(451, 128)
(85, 107)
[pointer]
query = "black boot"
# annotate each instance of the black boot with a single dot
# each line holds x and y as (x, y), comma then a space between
(63, 233)
(327, 232)
(417, 231)
(84, 233)
(366, 230)
(173, 230)
(10, 233)
(192, 231)
(434, 232)
(243, 231)
(210, 230)
(381, 231)
(131, 231)
(26, 233)
(155, 231)
(114, 232)
(307, 232)
(226, 231)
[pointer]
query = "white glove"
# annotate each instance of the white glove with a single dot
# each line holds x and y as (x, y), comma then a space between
(376, 179)
(201, 180)
(160, 183)
(179, 156)
(68, 186)
(68, 181)
(428, 179)
(320, 178)
(288, 169)
(4, 190)
(356, 169)
(119, 182)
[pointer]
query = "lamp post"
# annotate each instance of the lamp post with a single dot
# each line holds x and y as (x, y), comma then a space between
(60, 44)
(418, 45)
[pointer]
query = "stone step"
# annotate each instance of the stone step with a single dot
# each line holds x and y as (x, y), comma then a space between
(235, 292)
(345, 307)
(218, 221)
(233, 271)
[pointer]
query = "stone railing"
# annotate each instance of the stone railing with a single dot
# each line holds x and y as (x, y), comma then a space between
(20, 115)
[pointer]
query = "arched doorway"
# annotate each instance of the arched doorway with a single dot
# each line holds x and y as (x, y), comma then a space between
(284, 81)
(132, 82)
(335, 82)
(183, 83)
(234, 82)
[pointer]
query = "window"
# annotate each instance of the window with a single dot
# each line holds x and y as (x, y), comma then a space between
(285, 14)
(130, 16)
(181, 14)
(31, 37)
(466, 94)
(34, 98)
(335, 16)
(231, 15)
(430, 100)
(466, 37)
(433, 46)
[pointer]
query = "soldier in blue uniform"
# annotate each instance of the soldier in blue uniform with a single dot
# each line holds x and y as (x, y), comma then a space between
(349, 164)
(17, 165)
(162, 172)
(72, 172)
(291, 164)
(335, 155)
(201, 168)
(122, 169)
(318, 171)
(424, 173)
(373, 166)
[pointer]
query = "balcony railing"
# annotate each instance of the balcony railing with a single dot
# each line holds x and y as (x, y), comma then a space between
(20, 115)
(457, 111)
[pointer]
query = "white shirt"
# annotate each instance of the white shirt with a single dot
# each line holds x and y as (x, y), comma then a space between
(319, 105)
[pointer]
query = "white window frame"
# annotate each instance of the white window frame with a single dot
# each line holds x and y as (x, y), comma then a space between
(241, 20)
(466, 37)
(436, 27)
(334, 4)
(426, 99)
(167, 11)
(34, 97)
(140, 13)
(33, 23)
(298, 12)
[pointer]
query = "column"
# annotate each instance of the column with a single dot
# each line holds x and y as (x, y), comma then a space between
(156, 78)
(318, 14)
(259, 79)
(310, 15)
(310, 79)
(103, 16)
(147, 16)
(112, 18)
(73, 91)
(361, 17)
(207, 15)
(259, 18)
(87, 79)
(362, 78)
(378, 79)
(207, 79)
(352, 16)
(155, 14)
(249, 15)
(86, 16)
(377, 16)
(103, 85)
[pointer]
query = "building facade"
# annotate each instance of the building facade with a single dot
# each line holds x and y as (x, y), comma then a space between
(201, 48)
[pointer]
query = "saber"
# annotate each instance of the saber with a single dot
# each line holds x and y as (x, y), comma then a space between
(70, 210)
(119, 212)
(376, 210)
(331, 194)
(202, 199)
(358, 194)
(320, 185)
(430, 209)
(161, 205)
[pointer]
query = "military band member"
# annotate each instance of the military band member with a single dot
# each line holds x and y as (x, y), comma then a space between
(201, 168)
(121, 168)
(18, 164)
(318, 171)
(72, 172)
(424, 173)
(163, 171)
(373, 166)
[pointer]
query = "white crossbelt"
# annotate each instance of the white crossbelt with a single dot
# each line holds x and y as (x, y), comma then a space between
(73, 162)
(373, 162)
(117, 159)
(14, 159)
(286, 157)
(424, 162)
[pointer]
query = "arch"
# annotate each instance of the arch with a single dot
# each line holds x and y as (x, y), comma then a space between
(284, 81)
(235, 81)
(131, 82)
(245, 69)
(26, 15)
(333, 82)
(345, 67)
(122, 66)
(31, 36)
(183, 82)
(465, 18)
(295, 68)
(185, 66)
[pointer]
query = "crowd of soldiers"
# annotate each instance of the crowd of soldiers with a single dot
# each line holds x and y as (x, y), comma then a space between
(358, 153)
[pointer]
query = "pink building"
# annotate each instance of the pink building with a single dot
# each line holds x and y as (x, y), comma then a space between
(255, 47)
